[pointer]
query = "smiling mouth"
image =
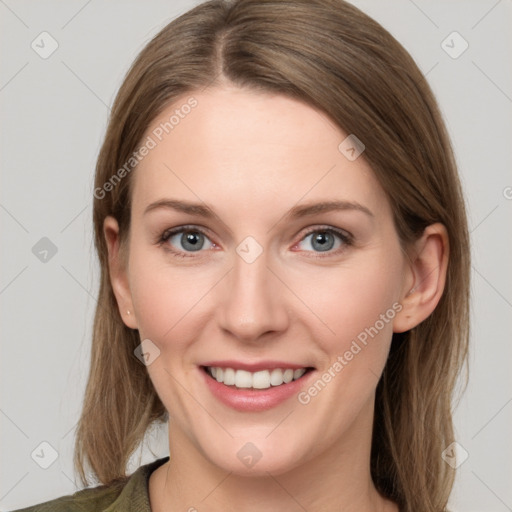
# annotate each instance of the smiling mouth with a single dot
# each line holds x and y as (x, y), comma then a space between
(260, 380)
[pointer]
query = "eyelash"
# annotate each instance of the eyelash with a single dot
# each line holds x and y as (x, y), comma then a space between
(345, 237)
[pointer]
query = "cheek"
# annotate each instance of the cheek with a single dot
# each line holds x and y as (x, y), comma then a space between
(353, 302)
(358, 305)
(168, 303)
(163, 296)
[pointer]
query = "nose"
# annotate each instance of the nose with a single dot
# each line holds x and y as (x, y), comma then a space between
(253, 301)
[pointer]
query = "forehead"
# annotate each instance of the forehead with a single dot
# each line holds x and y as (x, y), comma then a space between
(246, 149)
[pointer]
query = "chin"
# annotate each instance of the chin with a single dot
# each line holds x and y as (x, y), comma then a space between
(256, 458)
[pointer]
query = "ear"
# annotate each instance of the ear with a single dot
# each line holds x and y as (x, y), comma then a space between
(425, 279)
(118, 274)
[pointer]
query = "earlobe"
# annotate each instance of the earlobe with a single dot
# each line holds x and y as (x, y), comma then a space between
(427, 273)
(118, 274)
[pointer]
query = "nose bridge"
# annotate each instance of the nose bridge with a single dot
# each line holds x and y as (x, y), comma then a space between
(254, 301)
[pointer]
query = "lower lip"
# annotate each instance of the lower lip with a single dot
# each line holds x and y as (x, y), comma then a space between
(254, 400)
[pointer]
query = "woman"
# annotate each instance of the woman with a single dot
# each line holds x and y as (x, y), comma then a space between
(285, 271)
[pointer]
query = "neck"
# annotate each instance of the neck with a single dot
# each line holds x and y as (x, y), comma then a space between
(338, 480)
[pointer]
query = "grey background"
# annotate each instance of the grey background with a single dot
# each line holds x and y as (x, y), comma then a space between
(54, 114)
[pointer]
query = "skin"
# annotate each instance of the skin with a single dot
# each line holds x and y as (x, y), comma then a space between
(251, 157)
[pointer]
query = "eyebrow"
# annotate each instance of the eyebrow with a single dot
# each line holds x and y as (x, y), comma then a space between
(202, 210)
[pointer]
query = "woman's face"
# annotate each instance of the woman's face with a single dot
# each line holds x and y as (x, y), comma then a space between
(287, 258)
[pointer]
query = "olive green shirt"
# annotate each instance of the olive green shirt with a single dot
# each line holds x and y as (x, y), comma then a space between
(130, 495)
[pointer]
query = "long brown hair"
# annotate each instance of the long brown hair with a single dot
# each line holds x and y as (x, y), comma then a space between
(332, 56)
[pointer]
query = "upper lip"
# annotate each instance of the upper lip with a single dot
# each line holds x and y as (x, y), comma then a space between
(255, 366)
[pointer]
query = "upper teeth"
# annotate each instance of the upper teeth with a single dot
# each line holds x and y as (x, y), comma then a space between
(258, 380)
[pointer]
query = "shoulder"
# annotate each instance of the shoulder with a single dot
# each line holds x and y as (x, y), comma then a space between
(96, 498)
(130, 494)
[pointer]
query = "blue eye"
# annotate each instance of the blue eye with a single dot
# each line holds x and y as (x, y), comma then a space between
(186, 240)
(324, 240)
